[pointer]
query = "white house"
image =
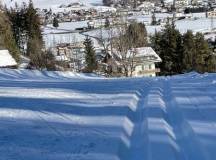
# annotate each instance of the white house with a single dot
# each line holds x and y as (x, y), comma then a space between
(145, 59)
(6, 60)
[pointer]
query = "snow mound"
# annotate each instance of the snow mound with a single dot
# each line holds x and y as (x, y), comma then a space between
(56, 115)
(6, 59)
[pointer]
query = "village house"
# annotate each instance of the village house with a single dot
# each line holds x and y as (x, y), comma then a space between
(212, 13)
(74, 55)
(6, 60)
(144, 59)
(145, 62)
(70, 54)
(61, 53)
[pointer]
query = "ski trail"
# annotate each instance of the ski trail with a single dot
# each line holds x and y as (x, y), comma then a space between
(163, 118)
(138, 148)
(161, 139)
(189, 145)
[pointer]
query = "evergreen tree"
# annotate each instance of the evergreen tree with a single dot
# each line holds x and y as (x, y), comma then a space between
(34, 40)
(36, 54)
(26, 26)
(136, 35)
(6, 37)
(155, 42)
(33, 22)
(203, 54)
(189, 51)
(55, 22)
(182, 53)
(18, 23)
(178, 55)
(91, 64)
(27, 33)
(168, 45)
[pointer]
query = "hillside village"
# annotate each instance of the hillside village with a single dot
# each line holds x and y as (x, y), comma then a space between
(65, 27)
(108, 80)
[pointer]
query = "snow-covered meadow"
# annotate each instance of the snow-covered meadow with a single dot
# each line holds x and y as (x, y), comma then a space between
(198, 23)
(63, 115)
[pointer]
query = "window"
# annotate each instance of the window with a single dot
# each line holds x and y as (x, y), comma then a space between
(143, 67)
(150, 66)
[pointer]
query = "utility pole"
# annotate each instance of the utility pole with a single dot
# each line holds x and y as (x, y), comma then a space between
(135, 4)
(212, 18)
(174, 9)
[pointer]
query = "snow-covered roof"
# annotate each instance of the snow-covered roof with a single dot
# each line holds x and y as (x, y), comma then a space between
(139, 54)
(6, 60)
(146, 53)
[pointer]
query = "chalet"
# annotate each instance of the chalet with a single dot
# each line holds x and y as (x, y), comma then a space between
(6, 60)
(144, 60)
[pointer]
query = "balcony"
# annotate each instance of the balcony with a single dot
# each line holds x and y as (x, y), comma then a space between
(156, 70)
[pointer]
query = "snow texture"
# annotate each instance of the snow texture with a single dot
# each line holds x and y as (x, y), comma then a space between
(56, 115)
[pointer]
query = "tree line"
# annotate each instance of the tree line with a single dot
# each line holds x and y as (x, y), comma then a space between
(21, 34)
(182, 53)
(6, 36)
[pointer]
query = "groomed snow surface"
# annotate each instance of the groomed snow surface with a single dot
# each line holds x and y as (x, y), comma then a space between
(66, 116)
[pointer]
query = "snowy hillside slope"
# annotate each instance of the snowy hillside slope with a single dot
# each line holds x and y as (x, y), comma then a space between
(21, 74)
(53, 116)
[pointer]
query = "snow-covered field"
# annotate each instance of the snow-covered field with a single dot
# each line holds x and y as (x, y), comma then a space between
(201, 24)
(56, 115)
